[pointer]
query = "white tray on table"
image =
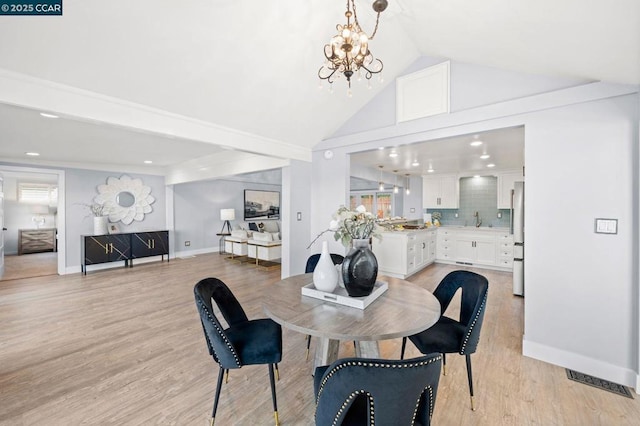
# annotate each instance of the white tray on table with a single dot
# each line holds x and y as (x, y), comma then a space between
(341, 297)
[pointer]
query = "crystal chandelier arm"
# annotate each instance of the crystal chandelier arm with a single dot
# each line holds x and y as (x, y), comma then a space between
(328, 78)
(369, 73)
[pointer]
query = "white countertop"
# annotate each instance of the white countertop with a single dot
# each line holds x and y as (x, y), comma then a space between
(473, 228)
(462, 228)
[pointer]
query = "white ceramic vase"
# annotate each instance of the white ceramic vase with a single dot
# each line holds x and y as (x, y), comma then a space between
(325, 276)
(100, 225)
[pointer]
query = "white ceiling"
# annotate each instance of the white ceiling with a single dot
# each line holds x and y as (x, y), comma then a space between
(252, 66)
(505, 148)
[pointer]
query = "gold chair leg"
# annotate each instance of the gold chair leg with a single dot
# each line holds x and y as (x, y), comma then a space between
(277, 372)
(444, 370)
(275, 415)
(473, 404)
(226, 376)
(213, 420)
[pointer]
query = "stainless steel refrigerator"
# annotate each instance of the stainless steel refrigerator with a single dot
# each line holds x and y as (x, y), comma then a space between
(517, 229)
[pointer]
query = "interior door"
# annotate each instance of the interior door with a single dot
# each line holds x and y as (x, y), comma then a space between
(1, 226)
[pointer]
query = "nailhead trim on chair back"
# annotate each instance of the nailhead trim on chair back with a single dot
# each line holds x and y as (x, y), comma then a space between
(428, 391)
(218, 343)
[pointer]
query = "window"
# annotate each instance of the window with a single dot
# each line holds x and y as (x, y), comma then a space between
(378, 203)
(37, 193)
(384, 202)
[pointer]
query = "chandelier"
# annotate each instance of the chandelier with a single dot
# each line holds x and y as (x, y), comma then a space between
(348, 51)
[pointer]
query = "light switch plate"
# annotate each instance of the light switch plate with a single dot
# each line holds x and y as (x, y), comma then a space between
(606, 226)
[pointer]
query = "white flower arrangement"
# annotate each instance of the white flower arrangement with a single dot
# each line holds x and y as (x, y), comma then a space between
(348, 225)
(96, 209)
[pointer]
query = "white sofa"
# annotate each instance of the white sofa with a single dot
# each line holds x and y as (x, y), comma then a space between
(236, 243)
(265, 246)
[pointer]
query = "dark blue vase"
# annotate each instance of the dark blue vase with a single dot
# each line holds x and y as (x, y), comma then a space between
(359, 269)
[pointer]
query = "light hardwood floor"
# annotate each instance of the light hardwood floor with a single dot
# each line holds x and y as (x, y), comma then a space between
(30, 265)
(125, 347)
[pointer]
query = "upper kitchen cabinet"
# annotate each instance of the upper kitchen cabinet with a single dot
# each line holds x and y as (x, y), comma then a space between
(505, 185)
(440, 192)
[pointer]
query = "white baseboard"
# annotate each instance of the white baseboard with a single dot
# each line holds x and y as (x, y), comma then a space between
(638, 384)
(581, 363)
(111, 265)
(187, 253)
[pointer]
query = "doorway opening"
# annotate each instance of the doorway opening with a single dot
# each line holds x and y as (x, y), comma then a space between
(33, 219)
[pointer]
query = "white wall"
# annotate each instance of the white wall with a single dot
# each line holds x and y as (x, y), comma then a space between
(330, 190)
(81, 188)
(19, 215)
(474, 86)
(581, 153)
(197, 211)
(296, 198)
(579, 309)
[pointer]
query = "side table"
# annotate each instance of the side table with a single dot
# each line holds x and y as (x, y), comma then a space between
(222, 236)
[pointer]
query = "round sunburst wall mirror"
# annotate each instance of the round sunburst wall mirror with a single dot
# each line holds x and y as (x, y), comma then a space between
(125, 199)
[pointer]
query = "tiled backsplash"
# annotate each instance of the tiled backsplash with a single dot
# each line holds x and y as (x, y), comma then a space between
(477, 194)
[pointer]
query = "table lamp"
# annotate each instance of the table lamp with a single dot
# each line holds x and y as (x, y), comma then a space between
(227, 215)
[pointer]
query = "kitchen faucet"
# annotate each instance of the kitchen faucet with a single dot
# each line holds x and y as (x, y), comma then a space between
(478, 220)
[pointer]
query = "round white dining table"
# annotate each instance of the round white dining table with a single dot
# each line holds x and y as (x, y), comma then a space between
(402, 310)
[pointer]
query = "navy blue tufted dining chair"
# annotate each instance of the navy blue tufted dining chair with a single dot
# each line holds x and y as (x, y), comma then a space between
(243, 342)
(312, 262)
(360, 391)
(449, 335)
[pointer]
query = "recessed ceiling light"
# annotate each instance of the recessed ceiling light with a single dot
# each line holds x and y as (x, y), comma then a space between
(44, 114)
(415, 163)
(476, 141)
(430, 171)
(148, 162)
(491, 165)
(381, 148)
(476, 176)
(32, 154)
(484, 156)
(393, 154)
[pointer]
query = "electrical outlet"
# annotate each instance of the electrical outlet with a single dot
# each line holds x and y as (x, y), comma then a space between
(187, 243)
(499, 215)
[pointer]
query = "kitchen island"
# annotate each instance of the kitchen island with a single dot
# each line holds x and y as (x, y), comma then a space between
(405, 252)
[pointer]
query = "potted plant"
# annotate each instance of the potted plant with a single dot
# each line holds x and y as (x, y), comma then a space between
(354, 228)
(100, 215)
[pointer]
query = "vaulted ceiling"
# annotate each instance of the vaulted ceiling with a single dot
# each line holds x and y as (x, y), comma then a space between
(248, 69)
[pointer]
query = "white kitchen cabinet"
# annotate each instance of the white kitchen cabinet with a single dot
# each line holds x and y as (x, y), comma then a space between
(391, 253)
(430, 255)
(505, 185)
(403, 253)
(485, 247)
(475, 248)
(440, 192)
(505, 250)
(445, 245)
